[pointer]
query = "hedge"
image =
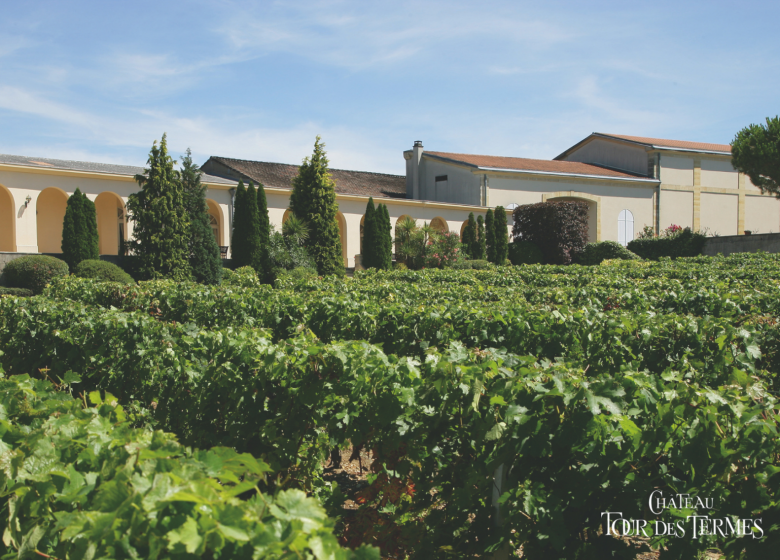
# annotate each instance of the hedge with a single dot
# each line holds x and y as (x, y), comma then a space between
(102, 270)
(560, 229)
(525, 252)
(19, 292)
(685, 244)
(33, 272)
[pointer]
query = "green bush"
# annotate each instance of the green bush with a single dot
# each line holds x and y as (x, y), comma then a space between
(298, 273)
(525, 252)
(20, 292)
(472, 264)
(244, 277)
(683, 244)
(103, 270)
(595, 253)
(33, 272)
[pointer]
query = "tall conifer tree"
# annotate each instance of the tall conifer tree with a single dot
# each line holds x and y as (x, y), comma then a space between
(490, 236)
(79, 230)
(264, 233)
(371, 251)
(501, 235)
(469, 239)
(238, 241)
(387, 234)
(205, 258)
(313, 199)
(160, 224)
(253, 245)
(482, 244)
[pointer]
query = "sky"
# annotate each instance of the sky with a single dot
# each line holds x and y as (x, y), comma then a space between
(102, 80)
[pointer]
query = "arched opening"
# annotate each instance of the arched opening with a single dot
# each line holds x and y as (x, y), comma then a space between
(594, 209)
(343, 235)
(287, 214)
(439, 225)
(398, 222)
(7, 221)
(215, 219)
(462, 229)
(625, 227)
(50, 210)
(111, 223)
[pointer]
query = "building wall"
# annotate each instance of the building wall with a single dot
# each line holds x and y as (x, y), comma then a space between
(462, 186)
(676, 207)
(619, 155)
(719, 213)
(676, 170)
(718, 173)
(762, 214)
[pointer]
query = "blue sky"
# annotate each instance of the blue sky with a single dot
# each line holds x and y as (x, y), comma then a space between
(99, 81)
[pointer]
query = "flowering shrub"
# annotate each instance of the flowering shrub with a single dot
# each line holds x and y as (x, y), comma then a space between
(442, 250)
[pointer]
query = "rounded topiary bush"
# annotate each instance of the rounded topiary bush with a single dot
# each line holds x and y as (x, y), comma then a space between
(102, 270)
(33, 272)
(525, 252)
(594, 253)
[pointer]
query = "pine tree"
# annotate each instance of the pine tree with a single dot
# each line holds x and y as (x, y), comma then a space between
(160, 229)
(371, 251)
(79, 230)
(501, 235)
(264, 234)
(238, 244)
(490, 237)
(482, 244)
(387, 235)
(205, 258)
(313, 199)
(469, 239)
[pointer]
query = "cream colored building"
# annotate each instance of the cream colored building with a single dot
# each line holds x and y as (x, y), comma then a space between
(628, 183)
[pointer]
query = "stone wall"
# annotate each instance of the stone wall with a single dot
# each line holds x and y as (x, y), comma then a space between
(728, 244)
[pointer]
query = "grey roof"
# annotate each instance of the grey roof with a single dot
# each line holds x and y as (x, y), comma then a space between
(109, 168)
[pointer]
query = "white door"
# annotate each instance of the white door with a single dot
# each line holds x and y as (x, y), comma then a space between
(625, 227)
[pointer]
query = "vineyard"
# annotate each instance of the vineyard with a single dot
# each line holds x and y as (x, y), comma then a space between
(502, 410)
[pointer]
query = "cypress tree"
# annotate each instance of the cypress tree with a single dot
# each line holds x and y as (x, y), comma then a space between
(205, 259)
(470, 236)
(238, 243)
(501, 235)
(79, 230)
(371, 252)
(481, 243)
(160, 229)
(387, 234)
(313, 199)
(490, 237)
(264, 235)
(253, 245)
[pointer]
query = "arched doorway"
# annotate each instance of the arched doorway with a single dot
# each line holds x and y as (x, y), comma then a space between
(343, 235)
(111, 223)
(50, 209)
(462, 229)
(215, 219)
(594, 209)
(287, 214)
(362, 223)
(7, 221)
(440, 225)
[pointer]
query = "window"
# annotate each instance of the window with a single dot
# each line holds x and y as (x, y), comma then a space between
(625, 227)
(512, 206)
(440, 178)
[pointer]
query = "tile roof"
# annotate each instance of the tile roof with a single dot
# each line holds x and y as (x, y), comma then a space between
(682, 144)
(281, 175)
(108, 168)
(542, 165)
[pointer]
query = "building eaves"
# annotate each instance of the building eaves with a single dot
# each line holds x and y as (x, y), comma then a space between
(654, 144)
(90, 167)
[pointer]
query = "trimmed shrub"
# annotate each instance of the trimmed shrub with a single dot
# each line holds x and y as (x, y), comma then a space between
(560, 229)
(19, 292)
(502, 235)
(683, 244)
(79, 230)
(242, 277)
(33, 272)
(103, 270)
(595, 253)
(525, 252)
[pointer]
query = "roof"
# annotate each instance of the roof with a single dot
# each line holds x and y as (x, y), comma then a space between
(535, 165)
(672, 144)
(281, 175)
(92, 167)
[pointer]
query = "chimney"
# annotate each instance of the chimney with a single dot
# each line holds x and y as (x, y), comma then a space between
(417, 151)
